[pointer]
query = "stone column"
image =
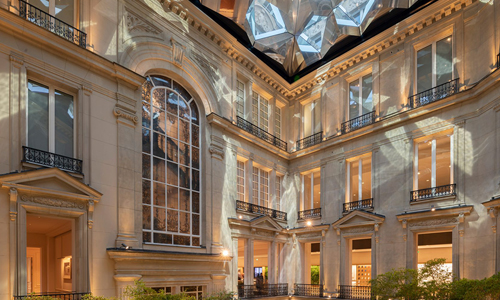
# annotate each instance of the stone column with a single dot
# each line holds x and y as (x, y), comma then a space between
(272, 262)
(233, 282)
(13, 243)
(126, 121)
(248, 262)
(17, 112)
(83, 139)
(322, 258)
(215, 207)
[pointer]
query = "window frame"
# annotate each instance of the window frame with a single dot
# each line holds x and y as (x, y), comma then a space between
(316, 103)
(277, 121)
(432, 138)
(53, 87)
(432, 41)
(358, 159)
(278, 192)
(257, 192)
(359, 79)
(240, 101)
(52, 11)
(257, 117)
(303, 190)
(238, 177)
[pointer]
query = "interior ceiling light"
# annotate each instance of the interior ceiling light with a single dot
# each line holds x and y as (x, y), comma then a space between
(298, 33)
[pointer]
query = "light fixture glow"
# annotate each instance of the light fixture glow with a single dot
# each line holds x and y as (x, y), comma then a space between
(225, 253)
(433, 208)
(309, 223)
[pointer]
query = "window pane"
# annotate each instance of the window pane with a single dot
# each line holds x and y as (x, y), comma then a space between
(443, 61)
(424, 69)
(184, 131)
(159, 218)
(159, 120)
(184, 178)
(172, 122)
(161, 238)
(159, 194)
(146, 217)
(172, 220)
(196, 180)
(195, 157)
(184, 110)
(172, 103)
(366, 177)
(264, 188)
(255, 185)
(194, 113)
(161, 81)
(308, 119)
(159, 145)
(195, 135)
(424, 164)
(196, 202)
(38, 116)
(172, 197)
(317, 116)
(317, 190)
(307, 192)
(443, 163)
(240, 99)
(196, 224)
(184, 154)
(277, 122)
(159, 98)
(354, 181)
(181, 90)
(146, 115)
(65, 11)
(264, 114)
(146, 192)
(353, 99)
(184, 200)
(172, 150)
(172, 174)
(255, 108)
(42, 5)
(184, 220)
(146, 166)
(64, 116)
(367, 93)
(181, 240)
(158, 169)
(146, 140)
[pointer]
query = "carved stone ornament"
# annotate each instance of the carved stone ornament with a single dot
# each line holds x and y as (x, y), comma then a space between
(434, 222)
(52, 202)
(136, 23)
(177, 52)
(13, 215)
(310, 235)
(120, 112)
(210, 70)
(216, 151)
(358, 229)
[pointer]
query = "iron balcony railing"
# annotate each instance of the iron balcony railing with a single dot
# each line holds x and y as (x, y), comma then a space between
(61, 296)
(436, 93)
(52, 24)
(310, 141)
(262, 290)
(358, 122)
(48, 159)
(260, 133)
(355, 292)
(261, 210)
(310, 213)
(434, 192)
(311, 290)
(361, 204)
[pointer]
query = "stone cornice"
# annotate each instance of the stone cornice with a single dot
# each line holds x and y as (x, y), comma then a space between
(394, 35)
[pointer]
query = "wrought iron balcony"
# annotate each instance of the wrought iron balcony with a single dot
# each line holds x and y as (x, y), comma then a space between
(311, 290)
(355, 292)
(361, 204)
(61, 296)
(436, 93)
(52, 24)
(261, 210)
(434, 192)
(48, 159)
(358, 122)
(310, 213)
(310, 141)
(260, 133)
(262, 290)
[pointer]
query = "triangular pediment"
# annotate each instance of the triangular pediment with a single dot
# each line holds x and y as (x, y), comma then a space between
(358, 218)
(266, 223)
(51, 181)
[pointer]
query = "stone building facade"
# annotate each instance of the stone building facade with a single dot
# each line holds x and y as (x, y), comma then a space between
(143, 141)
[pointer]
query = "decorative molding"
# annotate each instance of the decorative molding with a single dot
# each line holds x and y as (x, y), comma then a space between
(264, 233)
(13, 216)
(16, 58)
(434, 222)
(310, 235)
(461, 232)
(405, 237)
(136, 23)
(121, 112)
(494, 228)
(360, 229)
(125, 100)
(492, 212)
(210, 70)
(52, 202)
(216, 151)
(177, 52)
(90, 216)
(405, 224)
(87, 89)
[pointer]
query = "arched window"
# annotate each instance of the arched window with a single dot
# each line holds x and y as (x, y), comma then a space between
(170, 164)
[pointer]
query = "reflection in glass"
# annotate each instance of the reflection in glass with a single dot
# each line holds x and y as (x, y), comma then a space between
(425, 165)
(184, 177)
(367, 93)
(65, 11)
(162, 238)
(146, 191)
(184, 199)
(195, 156)
(172, 126)
(146, 166)
(184, 110)
(159, 218)
(146, 140)
(196, 135)
(159, 194)
(172, 150)
(172, 223)
(444, 61)
(146, 115)
(158, 145)
(172, 103)
(196, 182)
(64, 116)
(424, 69)
(194, 113)
(159, 120)
(38, 116)
(159, 98)
(196, 202)
(184, 220)
(158, 169)
(181, 240)
(146, 217)
(443, 161)
(183, 131)
(354, 180)
(353, 100)
(316, 190)
(172, 197)
(196, 224)
(184, 154)
(172, 173)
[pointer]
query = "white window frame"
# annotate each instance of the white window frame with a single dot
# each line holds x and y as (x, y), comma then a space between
(278, 191)
(52, 11)
(432, 138)
(260, 196)
(240, 163)
(303, 204)
(52, 114)
(277, 121)
(316, 103)
(445, 34)
(358, 159)
(240, 98)
(257, 117)
(359, 79)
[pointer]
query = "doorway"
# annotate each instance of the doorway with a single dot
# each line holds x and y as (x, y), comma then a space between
(49, 254)
(435, 245)
(361, 262)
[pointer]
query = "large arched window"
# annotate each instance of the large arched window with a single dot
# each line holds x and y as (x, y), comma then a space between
(170, 164)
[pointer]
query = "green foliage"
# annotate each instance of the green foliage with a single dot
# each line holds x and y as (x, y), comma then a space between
(139, 291)
(33, 296)
(91, 297)
(222, 295)
(467, 289)
(430, 282)
(314, 274)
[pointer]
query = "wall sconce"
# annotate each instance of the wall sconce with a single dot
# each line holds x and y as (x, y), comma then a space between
(126, 247)
(433, 208)
(309, 223)
(225, 253)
